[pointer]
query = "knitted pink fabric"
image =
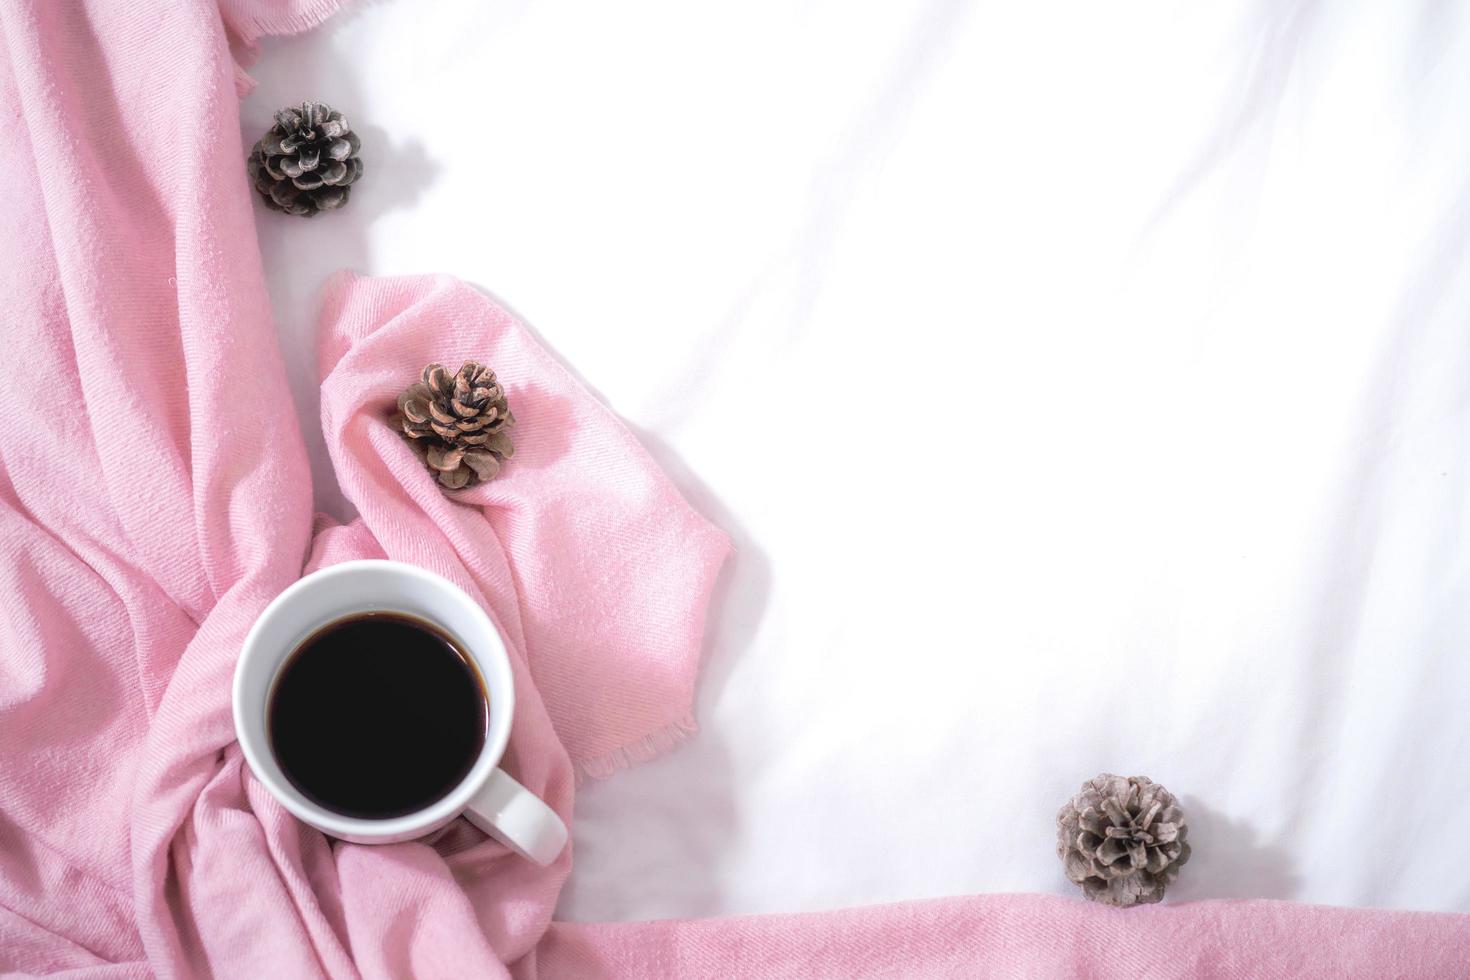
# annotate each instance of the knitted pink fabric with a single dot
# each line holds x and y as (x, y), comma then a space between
(154, 496)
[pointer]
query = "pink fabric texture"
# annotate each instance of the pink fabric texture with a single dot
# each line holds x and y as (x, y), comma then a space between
(154, 496)
(1034, 936)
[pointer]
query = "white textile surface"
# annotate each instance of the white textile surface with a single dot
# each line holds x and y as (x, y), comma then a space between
(1086, 387)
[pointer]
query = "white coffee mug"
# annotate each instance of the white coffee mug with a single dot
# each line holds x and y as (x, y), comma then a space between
(488, 797)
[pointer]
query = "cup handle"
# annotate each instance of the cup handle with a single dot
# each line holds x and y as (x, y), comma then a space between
(518, 818)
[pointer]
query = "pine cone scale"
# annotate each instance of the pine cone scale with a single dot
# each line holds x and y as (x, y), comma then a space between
(444, 459)
(474, 424)
(485, 465)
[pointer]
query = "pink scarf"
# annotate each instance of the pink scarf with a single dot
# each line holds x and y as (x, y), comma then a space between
(155, 495)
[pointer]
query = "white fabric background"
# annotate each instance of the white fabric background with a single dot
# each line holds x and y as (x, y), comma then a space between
(1086, 387)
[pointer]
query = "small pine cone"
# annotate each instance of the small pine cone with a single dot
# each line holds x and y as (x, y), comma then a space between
(1122, 840)
(457, 423)
(307, 162)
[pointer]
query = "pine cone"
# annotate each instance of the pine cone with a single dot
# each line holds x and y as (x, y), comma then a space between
(1122, 840)
(458, 424)
(307, 162)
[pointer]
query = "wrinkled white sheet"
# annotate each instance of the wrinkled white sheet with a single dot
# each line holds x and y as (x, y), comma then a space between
(1086, 386)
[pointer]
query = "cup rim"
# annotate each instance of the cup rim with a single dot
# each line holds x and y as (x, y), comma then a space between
(493, 665)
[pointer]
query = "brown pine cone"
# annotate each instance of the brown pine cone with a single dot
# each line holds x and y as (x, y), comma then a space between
(307, 162)
(1122, 840)
(458, 424)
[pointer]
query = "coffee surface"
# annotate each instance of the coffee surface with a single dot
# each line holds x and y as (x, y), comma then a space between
(376, 716)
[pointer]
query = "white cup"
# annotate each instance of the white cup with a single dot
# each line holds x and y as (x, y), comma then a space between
(488, 797)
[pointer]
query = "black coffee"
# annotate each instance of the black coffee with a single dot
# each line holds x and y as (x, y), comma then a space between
(378, 715)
